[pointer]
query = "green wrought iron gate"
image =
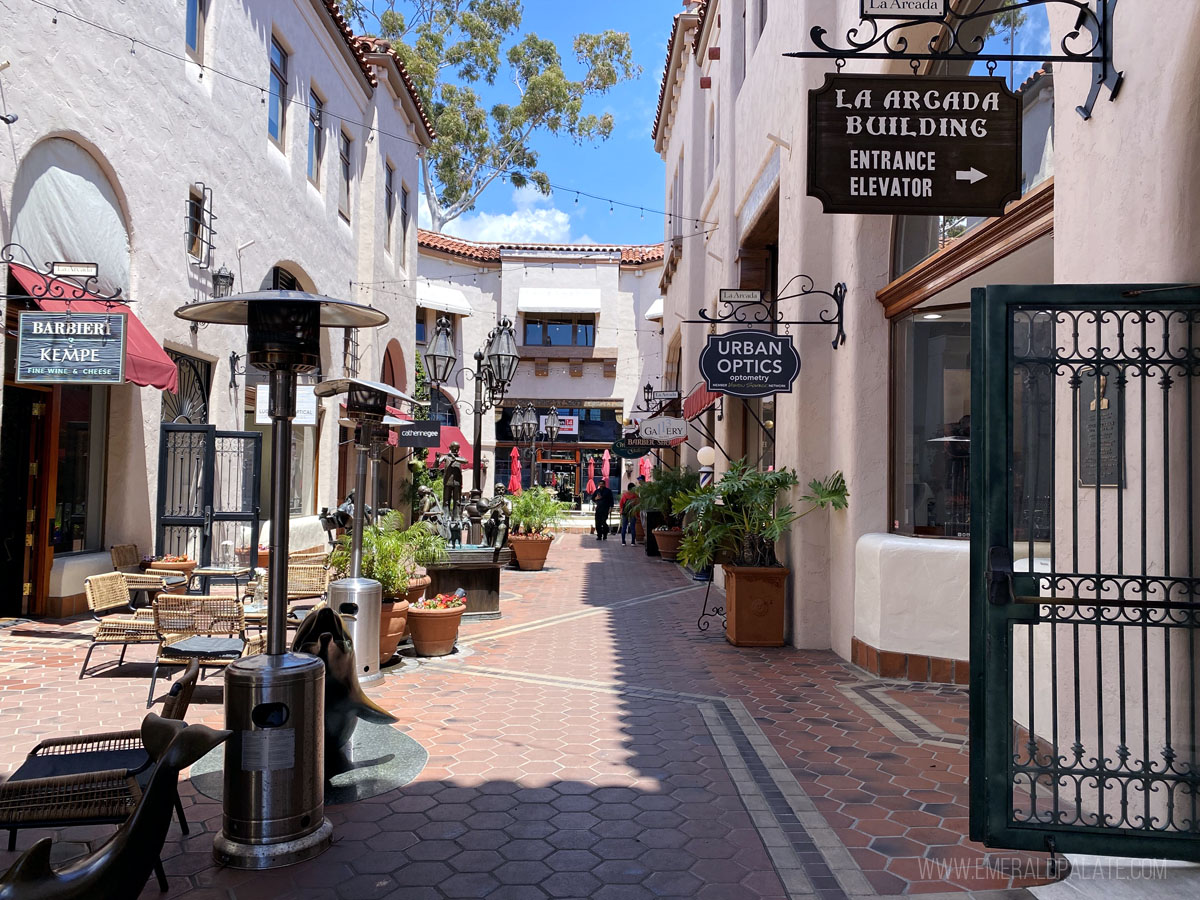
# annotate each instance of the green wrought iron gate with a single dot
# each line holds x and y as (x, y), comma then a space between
(1084, 590)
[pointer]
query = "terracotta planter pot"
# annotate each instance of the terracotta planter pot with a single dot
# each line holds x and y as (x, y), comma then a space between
(639, 533)
(530, 550)
(393, 622)
(434, 631)
(754, 605)
(668, 542)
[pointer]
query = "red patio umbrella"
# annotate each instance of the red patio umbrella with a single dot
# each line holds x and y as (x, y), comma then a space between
(514, 480)
(591, 485)
(604, 466)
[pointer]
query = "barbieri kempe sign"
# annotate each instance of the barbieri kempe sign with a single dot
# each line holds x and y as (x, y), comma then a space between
(71, 348)
(914, 145)
(749, 363)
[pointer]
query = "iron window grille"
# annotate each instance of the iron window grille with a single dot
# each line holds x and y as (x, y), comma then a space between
(199, 232)
(404, 214)
(350, 353)
(344, 163)
(389, 201)
(316, 137)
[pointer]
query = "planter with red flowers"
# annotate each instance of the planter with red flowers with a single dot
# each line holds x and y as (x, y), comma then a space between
(433, 623)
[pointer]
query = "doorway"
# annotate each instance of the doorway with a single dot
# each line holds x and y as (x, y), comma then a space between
(24, 520)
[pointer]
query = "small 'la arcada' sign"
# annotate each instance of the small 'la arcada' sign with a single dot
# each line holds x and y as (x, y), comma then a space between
(904, 9)
(749, 363)
(71, 348)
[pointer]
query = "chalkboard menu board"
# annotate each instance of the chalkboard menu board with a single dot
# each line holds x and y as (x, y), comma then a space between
(71, 348)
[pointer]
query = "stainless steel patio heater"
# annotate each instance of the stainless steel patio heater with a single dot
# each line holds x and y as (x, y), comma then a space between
(274, 799)
(358, 599)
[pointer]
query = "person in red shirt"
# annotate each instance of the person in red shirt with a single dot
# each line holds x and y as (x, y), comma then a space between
(628, 515)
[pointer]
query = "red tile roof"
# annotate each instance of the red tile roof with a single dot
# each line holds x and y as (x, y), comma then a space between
(487, 251)
(666, 76)
(704, 5)
(335, 13)
(370, 44)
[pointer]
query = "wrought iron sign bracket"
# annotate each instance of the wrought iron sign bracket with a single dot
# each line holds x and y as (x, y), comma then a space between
(752, 308)
(961, 38)
(56, 286)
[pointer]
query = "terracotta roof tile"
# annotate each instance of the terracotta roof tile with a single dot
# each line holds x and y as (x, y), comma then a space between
(370, 44)
(704, 5)
(335, 13)
(666, 76)
(487, 251)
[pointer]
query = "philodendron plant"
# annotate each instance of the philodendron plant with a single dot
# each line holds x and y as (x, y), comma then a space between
(738, 519)
(659, 494)
(391, 552)
(535, 511)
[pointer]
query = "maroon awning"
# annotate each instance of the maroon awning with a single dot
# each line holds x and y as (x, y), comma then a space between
(146, 363)
(698, 401)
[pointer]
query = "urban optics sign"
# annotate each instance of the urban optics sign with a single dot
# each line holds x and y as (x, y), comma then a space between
(749, 363)
(914, 145)
(75, 348)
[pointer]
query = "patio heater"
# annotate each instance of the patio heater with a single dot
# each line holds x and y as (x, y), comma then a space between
(274, 799)
(358, 599)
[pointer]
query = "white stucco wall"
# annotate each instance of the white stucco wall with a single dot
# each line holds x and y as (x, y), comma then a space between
(157, 127)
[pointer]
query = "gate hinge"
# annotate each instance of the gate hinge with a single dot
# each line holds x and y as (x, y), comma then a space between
(33, 468)
(26, 589)
(29, 540)
(31, 515)
(39, 409)
(999, 576)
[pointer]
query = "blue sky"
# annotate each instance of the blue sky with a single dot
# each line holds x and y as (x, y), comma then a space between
(625, 167)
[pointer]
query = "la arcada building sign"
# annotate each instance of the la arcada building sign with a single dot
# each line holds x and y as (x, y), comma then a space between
(914, 145)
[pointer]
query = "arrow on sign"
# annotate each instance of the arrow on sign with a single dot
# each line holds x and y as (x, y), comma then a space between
(972, 175)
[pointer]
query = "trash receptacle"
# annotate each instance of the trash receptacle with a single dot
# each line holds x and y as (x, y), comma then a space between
(274, 806)
(360, 603)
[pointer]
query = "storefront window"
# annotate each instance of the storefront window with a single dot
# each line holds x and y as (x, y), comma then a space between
(78, 507)
(305, 442)
(932, 423)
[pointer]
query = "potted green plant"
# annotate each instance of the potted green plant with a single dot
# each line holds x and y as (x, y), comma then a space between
(736, 522)
(396, 557)
(534, 513)
(434, 622)
(656, 500)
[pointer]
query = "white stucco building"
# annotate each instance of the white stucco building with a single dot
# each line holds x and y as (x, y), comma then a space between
(886, 582)
(175, 140)
(587, 320)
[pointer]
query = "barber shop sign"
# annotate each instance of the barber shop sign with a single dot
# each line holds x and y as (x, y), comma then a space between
(749, 363)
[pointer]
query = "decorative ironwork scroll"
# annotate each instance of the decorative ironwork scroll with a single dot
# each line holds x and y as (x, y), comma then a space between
(58, 287)
(753, 308)
(962, 36)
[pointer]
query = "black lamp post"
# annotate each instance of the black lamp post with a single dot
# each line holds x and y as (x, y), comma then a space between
(495, 367)
(273, 814)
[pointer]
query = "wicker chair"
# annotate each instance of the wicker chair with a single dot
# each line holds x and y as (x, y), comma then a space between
(117, 623)
(127, 559)
(125, 556)
(210, 630)
(93, 779)
(308, 558)
(305, 582)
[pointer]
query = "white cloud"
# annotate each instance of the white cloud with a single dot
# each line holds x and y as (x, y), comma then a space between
(534, 219)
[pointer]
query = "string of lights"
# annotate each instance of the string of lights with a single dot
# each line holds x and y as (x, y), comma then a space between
(265, 90)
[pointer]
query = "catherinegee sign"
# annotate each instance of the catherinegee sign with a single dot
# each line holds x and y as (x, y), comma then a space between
(749, 363)
(71, 348)
(914, 145)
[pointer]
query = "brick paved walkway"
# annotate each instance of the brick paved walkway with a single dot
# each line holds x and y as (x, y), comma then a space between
(592, 744)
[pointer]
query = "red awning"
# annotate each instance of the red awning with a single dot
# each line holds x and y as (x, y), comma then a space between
(450, 434)
(698, 401)
(146, 363)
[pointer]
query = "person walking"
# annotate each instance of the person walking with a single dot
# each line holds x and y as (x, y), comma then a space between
(603, 498)
(628, 516)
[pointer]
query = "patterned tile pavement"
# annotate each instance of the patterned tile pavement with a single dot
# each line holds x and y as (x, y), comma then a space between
(591, 743)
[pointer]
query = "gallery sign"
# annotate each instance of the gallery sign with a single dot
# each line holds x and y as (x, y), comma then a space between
(418, 433)
(904, 9)
(749, 363)
(663, 428)
(71, 348)
(914, 145)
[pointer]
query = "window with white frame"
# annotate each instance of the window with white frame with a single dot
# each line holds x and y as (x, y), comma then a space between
(344, 170)
(316, 137)
(277, 102)
(197, 11)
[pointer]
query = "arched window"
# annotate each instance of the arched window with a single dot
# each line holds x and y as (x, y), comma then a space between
(393, 372)
(441, 408)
